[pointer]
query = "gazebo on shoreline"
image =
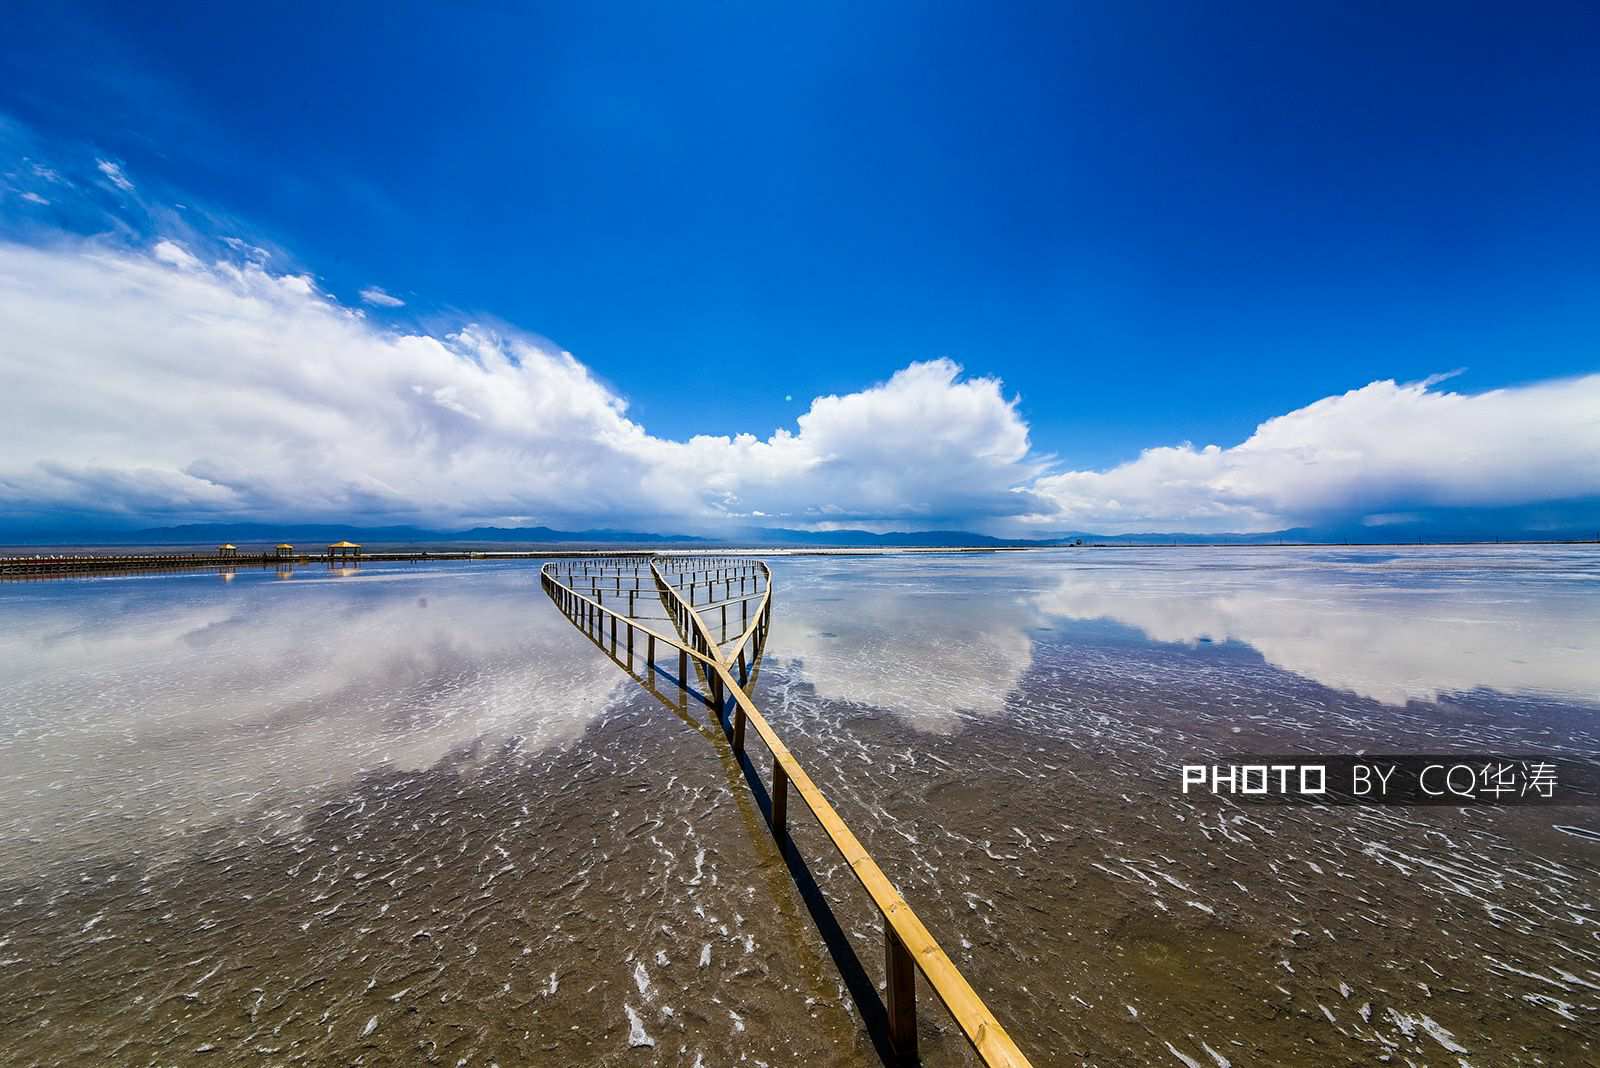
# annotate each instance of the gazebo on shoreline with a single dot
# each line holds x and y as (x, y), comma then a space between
(228, 550)
(285, 551)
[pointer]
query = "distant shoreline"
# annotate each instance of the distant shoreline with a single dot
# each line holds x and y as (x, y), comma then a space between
(22, 539)
(25, 549)
(380, 551)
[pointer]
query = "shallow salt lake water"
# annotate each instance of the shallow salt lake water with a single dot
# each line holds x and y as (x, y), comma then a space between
(408, 815)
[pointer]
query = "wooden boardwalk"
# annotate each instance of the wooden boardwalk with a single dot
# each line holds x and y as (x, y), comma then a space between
(659, 606)
(58, 564)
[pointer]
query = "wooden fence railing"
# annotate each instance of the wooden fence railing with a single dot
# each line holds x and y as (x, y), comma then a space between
(591, 615)
(727, 667)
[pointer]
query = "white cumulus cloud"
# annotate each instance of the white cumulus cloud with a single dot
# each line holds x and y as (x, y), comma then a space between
(925, 445)
(1382, 449)
(155, 384)
(161, 384)
(175, 255)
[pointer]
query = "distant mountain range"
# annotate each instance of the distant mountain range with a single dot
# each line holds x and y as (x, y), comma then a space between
(1559, 521)
(313, 535)
(393, 535)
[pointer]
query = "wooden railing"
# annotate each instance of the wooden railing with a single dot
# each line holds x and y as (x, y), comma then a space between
(908, 945)
(591, 615)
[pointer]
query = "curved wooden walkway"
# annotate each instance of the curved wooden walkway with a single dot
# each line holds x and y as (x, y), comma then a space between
(614, 602)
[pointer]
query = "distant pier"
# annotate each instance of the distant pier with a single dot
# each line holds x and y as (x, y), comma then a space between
(49, 565)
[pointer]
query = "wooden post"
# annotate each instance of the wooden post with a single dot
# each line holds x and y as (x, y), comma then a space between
(683, 669)
(780, 798)
(738, 727)
(650, 651)
(900, 994)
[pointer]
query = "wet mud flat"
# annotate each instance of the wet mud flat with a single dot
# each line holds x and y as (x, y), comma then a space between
(621, 901)
(1107, 919)
(479, 843)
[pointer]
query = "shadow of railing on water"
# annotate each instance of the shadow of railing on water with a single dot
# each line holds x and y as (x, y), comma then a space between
(858, 982)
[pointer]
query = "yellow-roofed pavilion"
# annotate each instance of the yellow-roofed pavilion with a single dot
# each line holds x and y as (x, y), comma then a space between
(344, 550)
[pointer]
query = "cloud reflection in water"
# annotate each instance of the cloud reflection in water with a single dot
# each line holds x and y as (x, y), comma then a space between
(147, 704)
(928, 638)
(1391, 627)
(932, 638)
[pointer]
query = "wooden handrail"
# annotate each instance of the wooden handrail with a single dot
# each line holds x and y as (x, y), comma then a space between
(907, 941)
(548, 579)
(760, 617)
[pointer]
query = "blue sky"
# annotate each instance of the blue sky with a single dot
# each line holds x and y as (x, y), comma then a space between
(1152, 223)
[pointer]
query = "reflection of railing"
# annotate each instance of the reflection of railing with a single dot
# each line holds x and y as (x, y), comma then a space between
(908, 946)
(63, 564)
